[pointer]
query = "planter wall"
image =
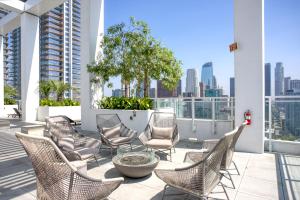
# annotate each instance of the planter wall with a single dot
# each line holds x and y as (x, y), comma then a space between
(281, 146)
(9, 109)
(73, 112)
(138, 123)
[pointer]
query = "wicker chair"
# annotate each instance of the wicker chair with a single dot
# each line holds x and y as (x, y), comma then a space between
(113, 132)
(208, 145)
(200, 178)
(74, 145)
(57, 178)
(161, 132)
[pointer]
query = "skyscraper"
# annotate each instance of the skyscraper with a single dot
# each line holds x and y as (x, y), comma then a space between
(192, 82)
(207, 75)
(12, 59)
(59, 49)
(162, 92)
(279, 79)
(214, 83)
(295, 85)
(60, 46)
(232, 87)
(268, 79)
(287, 84)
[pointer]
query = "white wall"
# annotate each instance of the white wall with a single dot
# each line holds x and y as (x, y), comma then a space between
(249, 71)
(138, 123)
(30, 62)
(73, 112)
(281, 146)
(92, 29)
(9, 109)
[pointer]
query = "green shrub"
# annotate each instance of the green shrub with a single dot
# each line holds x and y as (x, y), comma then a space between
(65, 102)
(125, 103)
(9, 101)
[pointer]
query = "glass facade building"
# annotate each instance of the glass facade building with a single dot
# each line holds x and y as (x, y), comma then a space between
(268, 79)
(207, 75)
(60, 46)
(12, 60)
(279, 79)
(192, 82)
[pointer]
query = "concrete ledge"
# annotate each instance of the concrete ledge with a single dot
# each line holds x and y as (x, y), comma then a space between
(4, 124)
(289, 147)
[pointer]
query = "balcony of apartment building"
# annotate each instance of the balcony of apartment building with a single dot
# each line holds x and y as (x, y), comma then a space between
(268, 164)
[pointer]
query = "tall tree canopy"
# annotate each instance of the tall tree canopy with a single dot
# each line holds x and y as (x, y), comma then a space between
(131, 51)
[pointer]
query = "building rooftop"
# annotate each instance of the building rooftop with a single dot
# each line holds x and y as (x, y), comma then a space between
(263, 176)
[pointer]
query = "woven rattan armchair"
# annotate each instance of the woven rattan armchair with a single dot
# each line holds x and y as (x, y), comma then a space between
(200, 178)
(74, 145)
(57, 178)
(113, 132)
(161, 132)
(208, 145)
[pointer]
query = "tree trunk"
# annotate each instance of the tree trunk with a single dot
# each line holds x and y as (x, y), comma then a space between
(146, 87)
(126, 89)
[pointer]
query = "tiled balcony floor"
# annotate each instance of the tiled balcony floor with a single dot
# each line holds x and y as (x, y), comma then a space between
(263, 176)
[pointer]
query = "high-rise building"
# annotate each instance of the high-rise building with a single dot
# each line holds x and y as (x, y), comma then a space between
(117, 93)
(162, 92)
(287, 84)
(232, 87)
(152, 92)
(12, 60)
(192, 82)
(279, 79)
(59, 49)
(295, 84)
(214, 83)
(214, 92)
(201, 87)
(207, 75)
(60, 46)
(268, 79)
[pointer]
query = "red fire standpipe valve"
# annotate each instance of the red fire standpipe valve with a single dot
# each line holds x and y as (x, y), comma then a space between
(247, 117)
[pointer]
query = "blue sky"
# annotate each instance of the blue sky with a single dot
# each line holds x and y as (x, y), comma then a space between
(200, 31)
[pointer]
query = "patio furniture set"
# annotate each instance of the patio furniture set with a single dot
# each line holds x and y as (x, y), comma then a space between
(59, 158)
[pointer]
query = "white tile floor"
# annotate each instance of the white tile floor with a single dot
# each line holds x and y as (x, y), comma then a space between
(263, 176)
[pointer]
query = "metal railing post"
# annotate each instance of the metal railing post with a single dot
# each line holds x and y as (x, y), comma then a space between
(193, 114)
(270, 124)
(213, 116)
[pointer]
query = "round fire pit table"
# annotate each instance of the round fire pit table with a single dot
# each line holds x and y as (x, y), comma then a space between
(135, 164)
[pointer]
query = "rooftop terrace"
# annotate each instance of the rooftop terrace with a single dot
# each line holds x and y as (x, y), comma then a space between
(263, 176)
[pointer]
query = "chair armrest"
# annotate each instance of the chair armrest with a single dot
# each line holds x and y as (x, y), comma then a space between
(71, 155)
(143, 138)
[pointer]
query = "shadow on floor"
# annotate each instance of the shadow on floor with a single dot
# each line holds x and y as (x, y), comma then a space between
(17, 177)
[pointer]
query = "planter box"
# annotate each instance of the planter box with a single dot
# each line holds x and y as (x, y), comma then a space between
(137, 123)
(73, 112)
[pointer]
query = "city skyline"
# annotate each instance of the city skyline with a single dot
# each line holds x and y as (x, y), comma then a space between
(210, 40)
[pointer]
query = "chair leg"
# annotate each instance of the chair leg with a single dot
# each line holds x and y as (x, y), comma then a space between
(174, 150)
(130, 147)
(96, 160)
(236, 168)
(164, 192)
(111, 152)
(224, 190)
(171, 154)
(230, 177)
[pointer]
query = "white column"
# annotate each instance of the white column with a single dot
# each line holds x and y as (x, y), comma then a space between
(1, 78)
(249, 72)
(30, 66)
(92, 29)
